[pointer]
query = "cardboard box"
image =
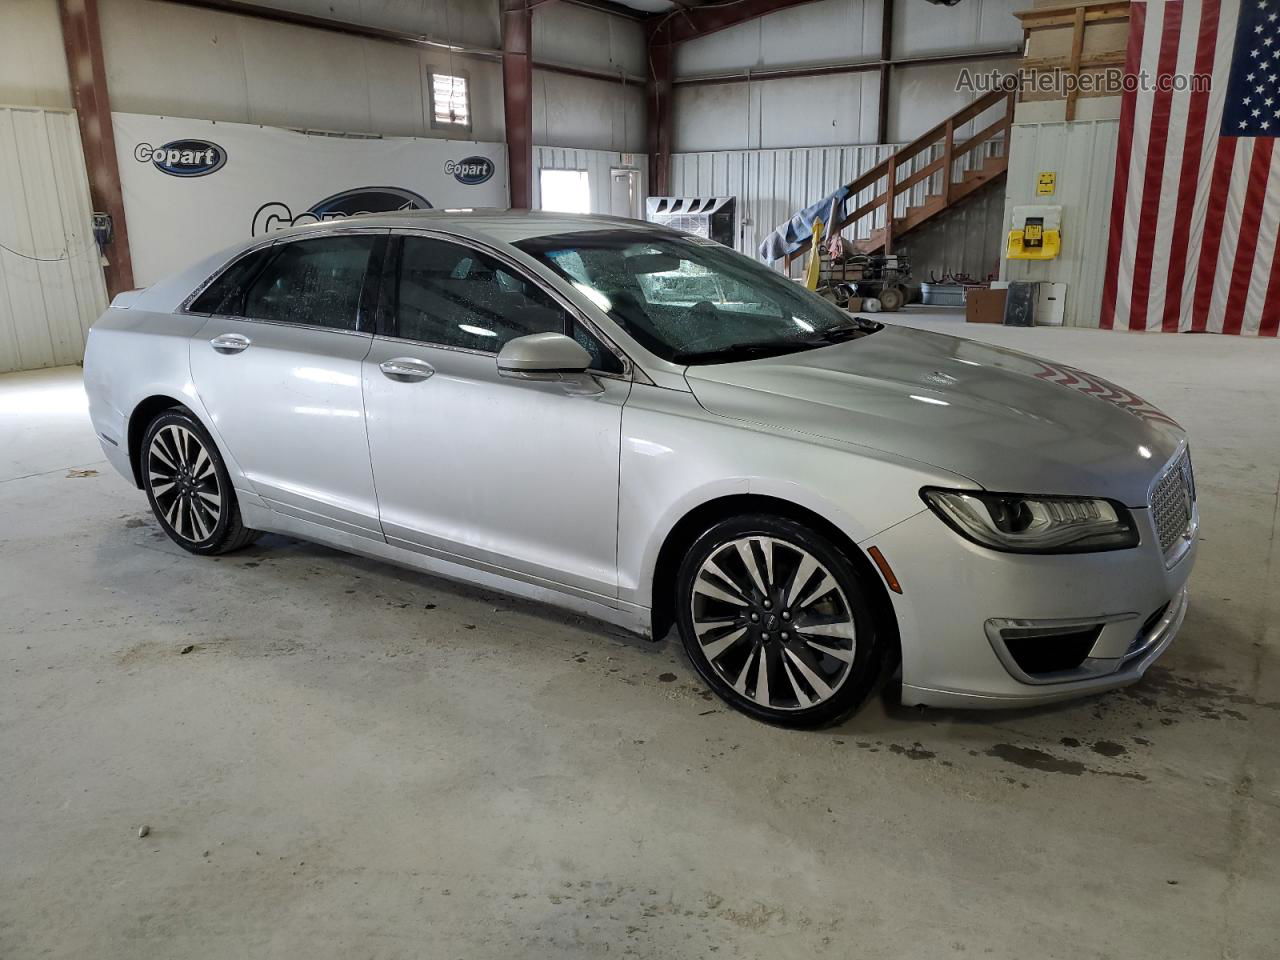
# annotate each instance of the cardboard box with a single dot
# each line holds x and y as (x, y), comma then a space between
(984, 305)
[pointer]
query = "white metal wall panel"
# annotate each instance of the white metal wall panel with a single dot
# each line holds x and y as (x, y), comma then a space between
(566, 33)
(590, 114)
(457, 21)
(33, 65)
(827, 32)
(822, 111)
(167, 59)
(597, 163)
(849, 30)
(1083, 155)
(923, 29)
(771, 114)
(51, 284)
(924, 96)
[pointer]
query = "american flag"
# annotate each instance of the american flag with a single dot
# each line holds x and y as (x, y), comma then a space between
(1196, 202)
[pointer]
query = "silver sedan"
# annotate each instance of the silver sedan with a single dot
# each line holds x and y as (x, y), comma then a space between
(643, 426)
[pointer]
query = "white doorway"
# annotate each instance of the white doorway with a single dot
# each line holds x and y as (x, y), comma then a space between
(565, 191)
(624, 193)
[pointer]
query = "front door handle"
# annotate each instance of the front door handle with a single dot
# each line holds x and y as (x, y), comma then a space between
(406, 369)
(230, 342)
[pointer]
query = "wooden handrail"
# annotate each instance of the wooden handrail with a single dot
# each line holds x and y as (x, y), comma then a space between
(985, 134)
(888, 168)
(924, 173)
(959, 118)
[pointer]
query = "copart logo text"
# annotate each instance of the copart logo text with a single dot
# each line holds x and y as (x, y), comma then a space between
(470, 170)
(183, 158)
(348, 203)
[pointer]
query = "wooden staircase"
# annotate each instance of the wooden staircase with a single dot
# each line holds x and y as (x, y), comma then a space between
(887, 183)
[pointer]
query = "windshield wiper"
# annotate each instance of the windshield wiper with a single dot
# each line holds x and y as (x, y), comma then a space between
(742, 351)
(858, 327)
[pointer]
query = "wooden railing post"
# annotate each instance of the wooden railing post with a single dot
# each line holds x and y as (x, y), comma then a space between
(1073, 68)
(948, 155)
(891, 178)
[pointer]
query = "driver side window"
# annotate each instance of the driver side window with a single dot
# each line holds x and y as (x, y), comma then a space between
(453, 296)
(456, 297)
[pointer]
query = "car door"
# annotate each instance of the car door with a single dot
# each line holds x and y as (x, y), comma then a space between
(277, 367)
(515, 476)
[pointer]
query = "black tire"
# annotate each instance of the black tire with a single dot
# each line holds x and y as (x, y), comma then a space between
(779, 621)
(892, 299)
(196, 505)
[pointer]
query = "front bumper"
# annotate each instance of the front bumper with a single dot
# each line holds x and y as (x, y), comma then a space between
(967, 615)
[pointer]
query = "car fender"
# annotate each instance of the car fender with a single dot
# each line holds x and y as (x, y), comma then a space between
(676, 457)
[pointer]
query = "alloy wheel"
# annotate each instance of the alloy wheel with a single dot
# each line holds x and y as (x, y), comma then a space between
(184, 483)
(773, 622)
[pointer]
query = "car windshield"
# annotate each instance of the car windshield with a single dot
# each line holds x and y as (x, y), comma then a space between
(690, 300)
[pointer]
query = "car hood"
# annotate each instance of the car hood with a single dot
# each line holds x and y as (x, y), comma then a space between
(1007, 421)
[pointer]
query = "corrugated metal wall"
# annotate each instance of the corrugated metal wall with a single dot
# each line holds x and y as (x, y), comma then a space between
(965, 240)
(597, 163)
(1083, 155)
(51, 284)
(771, 185)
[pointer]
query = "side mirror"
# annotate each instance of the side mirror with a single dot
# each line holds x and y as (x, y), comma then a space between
(542, 356)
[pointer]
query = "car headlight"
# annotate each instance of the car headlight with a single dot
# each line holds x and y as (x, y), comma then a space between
(1026, 524)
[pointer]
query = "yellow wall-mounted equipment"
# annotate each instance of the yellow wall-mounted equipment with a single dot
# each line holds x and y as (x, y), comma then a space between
(1036, 233)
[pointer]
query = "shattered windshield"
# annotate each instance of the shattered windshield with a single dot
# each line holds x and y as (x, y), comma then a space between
(690, 300)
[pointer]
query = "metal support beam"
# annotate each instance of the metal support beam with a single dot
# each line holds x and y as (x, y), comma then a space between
(82, 41)
(659, 117)
(886, 70)
(517, 98)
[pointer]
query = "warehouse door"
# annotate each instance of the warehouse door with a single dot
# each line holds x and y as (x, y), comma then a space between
(51, 283)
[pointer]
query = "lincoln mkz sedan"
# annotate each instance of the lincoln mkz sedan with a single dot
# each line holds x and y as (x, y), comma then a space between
(648, 428)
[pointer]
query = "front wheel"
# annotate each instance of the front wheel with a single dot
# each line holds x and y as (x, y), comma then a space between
(188, 486)
(779, 622)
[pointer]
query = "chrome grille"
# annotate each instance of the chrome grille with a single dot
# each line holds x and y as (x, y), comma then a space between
(1172, 500)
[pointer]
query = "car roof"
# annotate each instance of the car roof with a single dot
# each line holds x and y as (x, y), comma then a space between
(506, 226)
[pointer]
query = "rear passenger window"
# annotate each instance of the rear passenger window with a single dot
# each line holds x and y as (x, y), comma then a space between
(315, 282)
(225, 293)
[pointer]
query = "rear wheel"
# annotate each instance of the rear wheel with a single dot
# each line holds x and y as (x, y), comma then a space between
(779, 622)
(188, 486)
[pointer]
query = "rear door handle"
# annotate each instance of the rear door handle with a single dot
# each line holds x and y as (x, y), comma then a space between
(230, 342)
(406, 369)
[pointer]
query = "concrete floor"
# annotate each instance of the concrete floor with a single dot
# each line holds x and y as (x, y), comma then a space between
(358, 761)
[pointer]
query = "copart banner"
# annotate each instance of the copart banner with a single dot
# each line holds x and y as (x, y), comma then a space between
(192, 187)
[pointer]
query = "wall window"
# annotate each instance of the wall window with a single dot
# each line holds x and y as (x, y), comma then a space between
(450, 100)
(565, 191)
